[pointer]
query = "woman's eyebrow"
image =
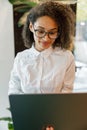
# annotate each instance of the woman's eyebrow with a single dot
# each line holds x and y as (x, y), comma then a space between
(45, 28)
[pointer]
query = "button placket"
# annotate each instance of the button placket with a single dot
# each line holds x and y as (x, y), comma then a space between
(41, 72)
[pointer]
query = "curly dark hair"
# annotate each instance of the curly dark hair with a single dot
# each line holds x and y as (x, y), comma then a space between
(62, 14)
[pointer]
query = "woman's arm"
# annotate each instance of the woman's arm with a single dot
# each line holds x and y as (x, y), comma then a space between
(69, 77)
(14, 83)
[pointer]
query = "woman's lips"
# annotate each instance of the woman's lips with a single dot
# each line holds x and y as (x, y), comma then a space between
(45, 43)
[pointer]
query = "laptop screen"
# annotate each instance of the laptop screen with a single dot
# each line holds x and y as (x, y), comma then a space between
(37, 111)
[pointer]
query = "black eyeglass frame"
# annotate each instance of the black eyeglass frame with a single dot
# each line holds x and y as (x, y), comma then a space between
(46, 33)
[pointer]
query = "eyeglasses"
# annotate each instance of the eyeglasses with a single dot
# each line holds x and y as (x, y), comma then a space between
(40, 33)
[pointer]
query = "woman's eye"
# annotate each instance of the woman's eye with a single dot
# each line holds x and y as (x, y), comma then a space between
(52, 32)
(40, 31)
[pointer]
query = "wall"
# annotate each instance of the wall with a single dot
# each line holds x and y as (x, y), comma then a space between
(6, 56)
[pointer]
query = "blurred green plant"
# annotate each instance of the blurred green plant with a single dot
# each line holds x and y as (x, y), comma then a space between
(9, 120)
(23, 6)
(15, 2)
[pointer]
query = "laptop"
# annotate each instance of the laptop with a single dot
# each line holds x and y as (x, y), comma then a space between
(61, 111)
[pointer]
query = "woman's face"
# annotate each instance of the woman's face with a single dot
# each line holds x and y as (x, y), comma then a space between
(49, 128)
(45, 31)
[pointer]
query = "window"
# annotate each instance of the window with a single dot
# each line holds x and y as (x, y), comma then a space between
(80, 44)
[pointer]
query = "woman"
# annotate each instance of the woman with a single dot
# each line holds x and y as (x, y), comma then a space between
(47, 66)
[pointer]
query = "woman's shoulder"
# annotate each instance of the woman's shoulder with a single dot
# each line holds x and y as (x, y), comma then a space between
(26, 56)
(64, 52)
(23, 55)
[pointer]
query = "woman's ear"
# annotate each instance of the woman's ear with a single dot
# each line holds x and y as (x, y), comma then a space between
(31, 27)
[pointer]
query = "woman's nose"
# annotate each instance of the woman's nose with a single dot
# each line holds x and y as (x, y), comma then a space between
(46, 37)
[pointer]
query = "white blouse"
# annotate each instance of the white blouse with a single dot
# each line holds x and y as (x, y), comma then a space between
(49, 71)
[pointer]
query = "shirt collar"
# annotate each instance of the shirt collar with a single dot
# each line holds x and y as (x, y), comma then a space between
(47, 52)
(44, 53)
(34, 51)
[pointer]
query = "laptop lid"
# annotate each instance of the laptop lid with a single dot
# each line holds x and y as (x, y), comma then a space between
(62, 111)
